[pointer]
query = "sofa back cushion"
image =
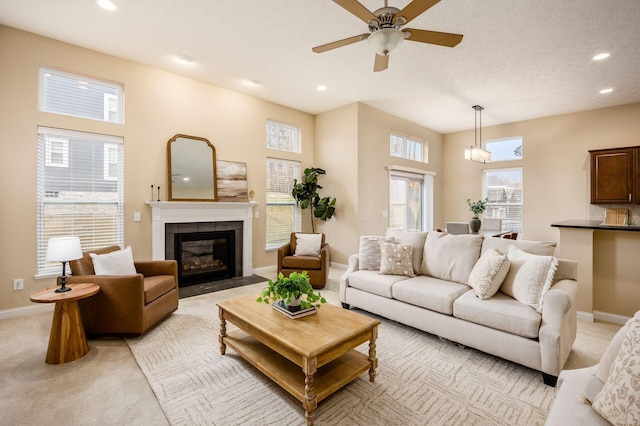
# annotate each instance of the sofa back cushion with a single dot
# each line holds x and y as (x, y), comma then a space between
(409, 237)
(532, 247)
(450, 257)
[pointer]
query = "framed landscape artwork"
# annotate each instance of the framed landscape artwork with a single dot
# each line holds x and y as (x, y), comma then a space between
(231, 179)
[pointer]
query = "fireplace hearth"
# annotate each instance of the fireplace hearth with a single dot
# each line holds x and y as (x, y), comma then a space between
(205, 256)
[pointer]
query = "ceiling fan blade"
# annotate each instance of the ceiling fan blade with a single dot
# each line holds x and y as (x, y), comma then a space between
(414, 9)
(358, 10)
(340, 43)
(381, 63)
(433, 37)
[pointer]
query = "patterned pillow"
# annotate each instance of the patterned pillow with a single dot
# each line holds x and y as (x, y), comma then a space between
(618, 401)
(488, 273)
(530, 277)
(396, 259)
(369, 253)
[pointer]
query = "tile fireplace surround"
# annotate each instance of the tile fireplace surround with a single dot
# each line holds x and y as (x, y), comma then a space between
(163, 212)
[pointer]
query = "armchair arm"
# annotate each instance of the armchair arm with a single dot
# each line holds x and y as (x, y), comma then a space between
(559, 326)
(354, 262)
(283, 251)
(149, 268)
(325, 257)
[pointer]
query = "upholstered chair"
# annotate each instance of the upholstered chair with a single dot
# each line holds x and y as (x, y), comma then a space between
(317, 266)
(126, 305)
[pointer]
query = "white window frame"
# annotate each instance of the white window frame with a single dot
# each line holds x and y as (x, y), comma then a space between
(49, 148)
(52, 223)
(83, 82)
(506, 223)
(405, 151)
(108, 149)
(297, 224)
(426, 178)
(297, 148)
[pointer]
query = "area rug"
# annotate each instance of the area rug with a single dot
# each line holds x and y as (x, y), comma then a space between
(421, 380)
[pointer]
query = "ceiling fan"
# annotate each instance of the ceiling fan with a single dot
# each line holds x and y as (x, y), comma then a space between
(386, 32)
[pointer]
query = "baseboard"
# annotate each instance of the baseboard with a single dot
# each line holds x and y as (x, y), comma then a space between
(339, 265)
(612, 318)
(26, 310)
(265, 269)
(585, 316)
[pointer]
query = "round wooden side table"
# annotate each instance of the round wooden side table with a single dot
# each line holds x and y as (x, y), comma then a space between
(67, 341)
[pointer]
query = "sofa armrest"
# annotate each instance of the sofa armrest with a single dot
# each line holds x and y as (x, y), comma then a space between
(151, 268)
(559, 326)
(354, 263)
(283, 251)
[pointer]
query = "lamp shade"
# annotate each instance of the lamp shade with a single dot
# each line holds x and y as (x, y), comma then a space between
(385, 40)
(63, 249)
(477, 154)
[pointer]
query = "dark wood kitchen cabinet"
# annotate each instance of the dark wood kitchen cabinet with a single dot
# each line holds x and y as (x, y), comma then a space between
(615, 176)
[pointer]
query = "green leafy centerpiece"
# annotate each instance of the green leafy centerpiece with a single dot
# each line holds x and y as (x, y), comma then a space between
(292, 295)
(477, 208)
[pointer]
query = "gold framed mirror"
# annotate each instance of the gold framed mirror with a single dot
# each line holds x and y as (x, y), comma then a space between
(191, 169)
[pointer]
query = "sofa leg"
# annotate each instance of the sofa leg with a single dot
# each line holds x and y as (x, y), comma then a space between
(345, 305)
(549, 380)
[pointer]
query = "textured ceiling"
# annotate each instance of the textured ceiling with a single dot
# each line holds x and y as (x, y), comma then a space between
(519, 59)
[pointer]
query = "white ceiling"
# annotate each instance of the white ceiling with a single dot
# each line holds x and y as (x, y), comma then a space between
(520, 59)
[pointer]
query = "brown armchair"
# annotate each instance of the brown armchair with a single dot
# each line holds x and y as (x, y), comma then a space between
(126, 305)
(316, 266)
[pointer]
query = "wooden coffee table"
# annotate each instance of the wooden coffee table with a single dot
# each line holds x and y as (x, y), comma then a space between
(309, 357)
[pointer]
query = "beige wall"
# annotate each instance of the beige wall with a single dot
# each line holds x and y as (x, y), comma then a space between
(158, 105)
(556, 187)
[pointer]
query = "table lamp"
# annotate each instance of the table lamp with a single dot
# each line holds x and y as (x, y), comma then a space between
(63, 249)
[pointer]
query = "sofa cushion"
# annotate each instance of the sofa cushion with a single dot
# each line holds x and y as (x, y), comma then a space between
(301, 262)
(396, 259)
(488, 273)
(618, 400)
(500, 312)
(571, 405)
(156, 286)
(430, 293)
(530, 277)
(373, 282)
(369, 252)
(308, 244)
(118, 262)
(409, 237)
(533, 247)
(450, 257)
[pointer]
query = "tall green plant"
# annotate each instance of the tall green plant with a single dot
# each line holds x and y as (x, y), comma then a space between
(306, 195)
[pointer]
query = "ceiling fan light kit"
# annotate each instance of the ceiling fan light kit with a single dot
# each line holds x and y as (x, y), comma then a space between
(475, 153)
(385, 28)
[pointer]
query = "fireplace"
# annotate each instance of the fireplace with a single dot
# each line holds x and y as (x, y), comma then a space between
(205, 256)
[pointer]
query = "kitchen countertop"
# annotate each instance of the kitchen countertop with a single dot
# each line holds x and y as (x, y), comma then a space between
(593, 224)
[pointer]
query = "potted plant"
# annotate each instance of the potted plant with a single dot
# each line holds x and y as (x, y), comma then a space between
(306, 195)
(477, 208)
(294, 290)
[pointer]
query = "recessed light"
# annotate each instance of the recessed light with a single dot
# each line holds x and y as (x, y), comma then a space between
(601, 56)
(252, 83)
(322, 88)
(107, 5)
(185, 59)
(605, 91)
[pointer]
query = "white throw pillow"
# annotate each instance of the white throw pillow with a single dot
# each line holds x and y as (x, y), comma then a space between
(606, 361)
(530, 277)
(410, 237)
(396, 259)
(119, 262)
(619, 400)
(308, 244)
(450, 257)
(369, 253)
(488, 274)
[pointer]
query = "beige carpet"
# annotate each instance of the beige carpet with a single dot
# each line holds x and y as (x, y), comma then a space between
(421, 379)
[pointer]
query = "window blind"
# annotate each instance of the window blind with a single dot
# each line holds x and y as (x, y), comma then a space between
(282, 214)
(81, 197)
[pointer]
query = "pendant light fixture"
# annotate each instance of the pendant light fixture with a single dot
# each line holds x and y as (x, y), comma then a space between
(475, 152)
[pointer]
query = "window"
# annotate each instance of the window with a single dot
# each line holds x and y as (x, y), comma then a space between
(406, 147)
(409, 207)
(503, 188)
(69, 94)
(282, 214)
(57, 152)
(83, 199)
(282, 137)
(505, 149)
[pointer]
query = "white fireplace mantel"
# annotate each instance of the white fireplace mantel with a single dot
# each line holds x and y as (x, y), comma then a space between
(163, 212)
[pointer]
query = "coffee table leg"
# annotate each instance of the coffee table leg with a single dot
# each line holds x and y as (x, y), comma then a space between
(372, 354)
(223, 331)
(310, 400)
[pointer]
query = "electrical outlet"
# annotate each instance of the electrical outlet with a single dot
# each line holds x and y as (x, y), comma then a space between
(18, 284)
(136, 216)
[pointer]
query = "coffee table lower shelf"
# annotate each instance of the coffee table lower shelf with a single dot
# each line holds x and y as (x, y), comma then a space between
(327, 379)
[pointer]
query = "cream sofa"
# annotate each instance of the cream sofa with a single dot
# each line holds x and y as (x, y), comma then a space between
(449, 308)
